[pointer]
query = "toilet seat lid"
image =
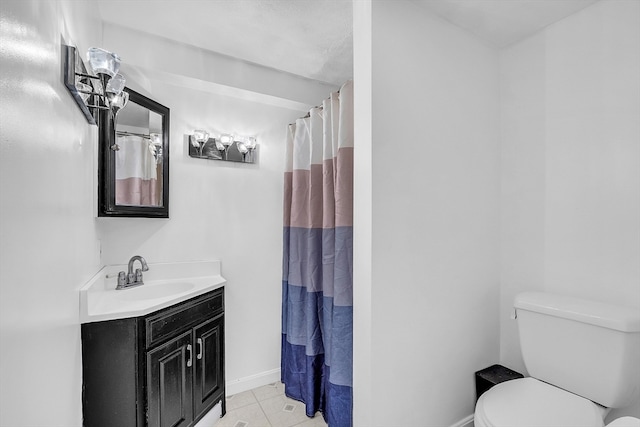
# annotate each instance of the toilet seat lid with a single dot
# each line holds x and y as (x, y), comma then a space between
(528, 402)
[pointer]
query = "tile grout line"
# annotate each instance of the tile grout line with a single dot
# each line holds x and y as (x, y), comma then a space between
(261, 408)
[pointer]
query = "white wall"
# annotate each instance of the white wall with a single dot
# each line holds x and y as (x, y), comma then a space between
(48, 237)
(363, 391)
(570, 199)
(434, 212)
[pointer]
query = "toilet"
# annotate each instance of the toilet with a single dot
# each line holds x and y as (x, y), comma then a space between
(582, 357)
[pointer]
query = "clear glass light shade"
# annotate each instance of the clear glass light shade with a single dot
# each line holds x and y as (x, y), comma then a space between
(116, 84)
(103, 62)
(226, 139)
(201, 135)
(250, 142)
(119, 101)
(242, 148)
(85, 90)
(219, 145)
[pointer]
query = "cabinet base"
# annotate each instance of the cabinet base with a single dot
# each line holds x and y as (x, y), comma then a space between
(211, 417)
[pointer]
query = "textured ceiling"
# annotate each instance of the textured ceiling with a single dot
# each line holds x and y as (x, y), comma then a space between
(313, 38)
(504, 22)
(310, 38)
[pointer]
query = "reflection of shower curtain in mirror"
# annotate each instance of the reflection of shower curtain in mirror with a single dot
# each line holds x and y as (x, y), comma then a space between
(136, 172)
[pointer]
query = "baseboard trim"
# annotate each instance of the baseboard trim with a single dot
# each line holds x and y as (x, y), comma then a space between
(465, 422)
(269, 377)
(247, 383)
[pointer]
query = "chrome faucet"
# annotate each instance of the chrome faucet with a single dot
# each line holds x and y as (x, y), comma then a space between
(131, 278)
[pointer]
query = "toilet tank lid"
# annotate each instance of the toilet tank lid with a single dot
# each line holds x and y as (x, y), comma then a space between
(621, 318)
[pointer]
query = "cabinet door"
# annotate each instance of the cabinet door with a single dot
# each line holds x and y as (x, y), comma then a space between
(170, 383)
(209, 363)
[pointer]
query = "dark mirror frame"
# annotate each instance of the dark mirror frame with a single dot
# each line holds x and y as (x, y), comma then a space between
(107, 164)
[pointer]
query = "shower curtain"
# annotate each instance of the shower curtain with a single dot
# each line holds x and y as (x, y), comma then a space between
(136, 172)
(317, 297)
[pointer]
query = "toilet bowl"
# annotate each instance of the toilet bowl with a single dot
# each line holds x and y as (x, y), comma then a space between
(582, 360)
(625, 422)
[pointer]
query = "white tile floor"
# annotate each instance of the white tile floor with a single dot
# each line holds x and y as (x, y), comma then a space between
(267, 406)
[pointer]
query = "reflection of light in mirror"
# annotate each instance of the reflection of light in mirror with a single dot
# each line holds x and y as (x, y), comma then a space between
(156, 139)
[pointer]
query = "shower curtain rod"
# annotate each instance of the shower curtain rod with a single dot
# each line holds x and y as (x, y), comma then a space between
(133, 134)
(306, 116)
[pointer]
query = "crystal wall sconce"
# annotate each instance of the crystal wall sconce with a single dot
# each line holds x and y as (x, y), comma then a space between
(225, 147)
(99, 87)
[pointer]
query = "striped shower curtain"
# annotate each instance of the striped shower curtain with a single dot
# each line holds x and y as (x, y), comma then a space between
(136, 173)
(317, 297)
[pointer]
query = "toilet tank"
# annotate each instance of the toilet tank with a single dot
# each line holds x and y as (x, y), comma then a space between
(588, 348)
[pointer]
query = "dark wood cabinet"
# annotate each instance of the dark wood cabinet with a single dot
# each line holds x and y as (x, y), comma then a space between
(170, 383)
(209, 370)
(162, 369)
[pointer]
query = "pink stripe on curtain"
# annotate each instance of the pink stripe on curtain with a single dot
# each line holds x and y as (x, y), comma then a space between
(306, 199)
(136, 192)
(321, 197)
(344, 188)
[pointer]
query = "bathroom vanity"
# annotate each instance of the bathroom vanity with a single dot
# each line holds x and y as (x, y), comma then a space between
(162, 365)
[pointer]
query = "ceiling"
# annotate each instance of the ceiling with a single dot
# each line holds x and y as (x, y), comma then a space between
(310, 38)
(313, 38)
(504, 22)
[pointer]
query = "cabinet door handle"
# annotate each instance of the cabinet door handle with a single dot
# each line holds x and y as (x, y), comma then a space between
(189, 360)
(200, 349)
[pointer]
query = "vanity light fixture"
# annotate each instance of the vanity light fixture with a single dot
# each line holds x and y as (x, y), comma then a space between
(228, 147)
(97, 87)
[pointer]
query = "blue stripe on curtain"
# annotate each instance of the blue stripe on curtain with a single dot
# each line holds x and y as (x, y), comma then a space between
(317, 319)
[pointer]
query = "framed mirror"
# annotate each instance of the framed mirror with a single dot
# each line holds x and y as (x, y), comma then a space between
(133, 173)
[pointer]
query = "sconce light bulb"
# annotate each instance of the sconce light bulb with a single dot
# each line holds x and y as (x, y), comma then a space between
(201, 135)
(242, 148)
(226, 139)
(118, 102)
(250, 142)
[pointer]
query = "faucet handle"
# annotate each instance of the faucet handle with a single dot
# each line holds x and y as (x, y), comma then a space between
(122, 279)
(139, 275)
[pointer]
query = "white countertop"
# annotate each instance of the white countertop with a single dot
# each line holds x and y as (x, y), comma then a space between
(99, 299)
